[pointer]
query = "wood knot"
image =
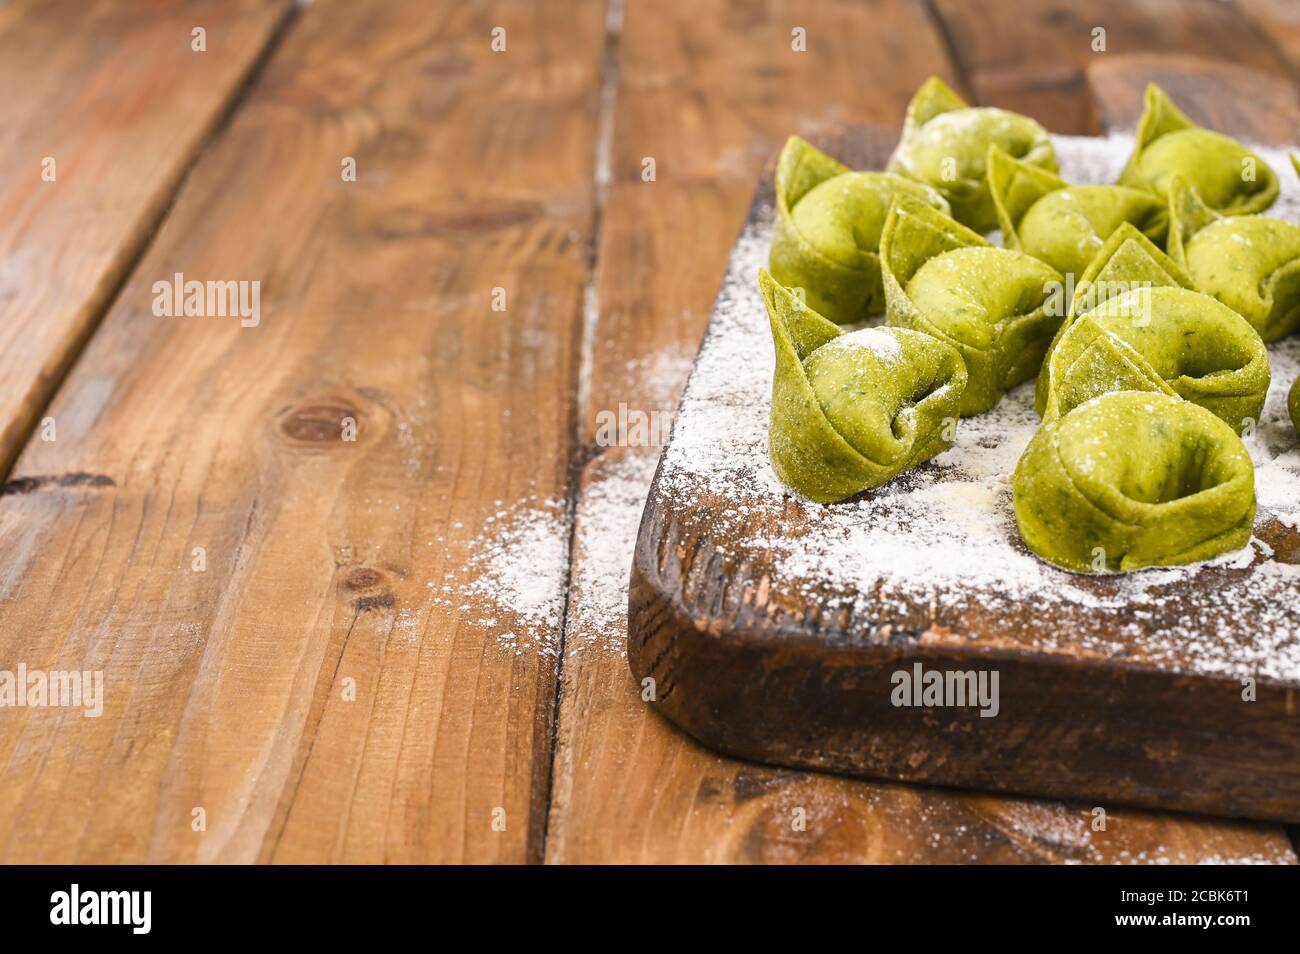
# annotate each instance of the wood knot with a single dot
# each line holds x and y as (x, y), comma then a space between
(368, 589)
(363, 578)
(322, 422)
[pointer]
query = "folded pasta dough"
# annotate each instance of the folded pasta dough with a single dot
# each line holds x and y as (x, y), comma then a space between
(851, 411)
(989, 303)
(945, 144)
(1168, 340)
(1133, 479)
(826, 239)
(1251, 263)
(1229, 177)
(1127, 260)
(1065, 225)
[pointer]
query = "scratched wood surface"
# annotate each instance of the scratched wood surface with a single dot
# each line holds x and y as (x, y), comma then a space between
(628, 786)
(105, 105)
(227, 687)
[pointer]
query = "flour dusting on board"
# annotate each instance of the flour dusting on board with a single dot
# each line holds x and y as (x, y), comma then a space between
(944, 535)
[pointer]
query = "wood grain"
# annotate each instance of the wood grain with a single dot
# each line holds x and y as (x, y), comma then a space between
(1279, 22)
(1031, 55)
(225, 689)
(628, 786)
(475, 173)
(1210, 92)
(114, 94)
(711, 122)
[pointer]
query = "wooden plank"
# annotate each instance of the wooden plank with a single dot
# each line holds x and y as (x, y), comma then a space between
(227, 689)
(116, 97)
(1030, 55)
(710, 122)
(628, 786)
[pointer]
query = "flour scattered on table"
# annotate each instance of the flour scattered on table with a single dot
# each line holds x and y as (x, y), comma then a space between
(609, 514)
(1066, 833)
(520, 568)
(943, 536)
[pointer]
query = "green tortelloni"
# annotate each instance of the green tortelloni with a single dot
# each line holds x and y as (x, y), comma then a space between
(945, 144)
(1065, 225)
(1133, 479)
(945, 280)
(1251, 263)
(1128, 260)
(1229, 177)
(851, 411)
(1167, 340)
(827, 234)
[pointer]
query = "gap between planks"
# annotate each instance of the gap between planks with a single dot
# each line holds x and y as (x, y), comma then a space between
(581, 456)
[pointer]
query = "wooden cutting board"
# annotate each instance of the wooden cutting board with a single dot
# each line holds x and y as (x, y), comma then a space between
(777, 630)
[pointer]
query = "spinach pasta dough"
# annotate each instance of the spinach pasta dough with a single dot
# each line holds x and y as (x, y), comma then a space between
(989, 303)
(945, 144)
(1167, 340)
(1128, 260)
(1251, 263)
(851, 411)
(1228, 176)
(1133, 479)
(827, 233)
(1065, 225)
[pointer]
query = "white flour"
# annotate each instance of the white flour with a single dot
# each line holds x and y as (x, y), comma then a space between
(519, 567)
(944, 535)
(520, 571)
(609, 514)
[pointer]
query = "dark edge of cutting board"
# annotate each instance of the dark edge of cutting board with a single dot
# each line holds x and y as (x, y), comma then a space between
(761, 676)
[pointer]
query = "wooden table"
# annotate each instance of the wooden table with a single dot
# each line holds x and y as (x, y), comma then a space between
(188, 511)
